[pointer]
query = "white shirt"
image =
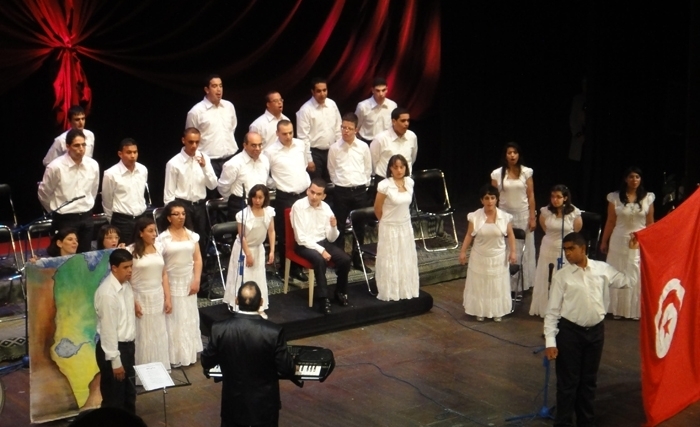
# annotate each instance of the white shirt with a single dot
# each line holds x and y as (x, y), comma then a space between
(242, 170)
(387, 143)
(116, 317)
(58, 148)
(65, 180)
(123, 190)
(350, 165)
(580, 294)
(374, 118)
(216, 125)
(266, 126)
(185, 179)
(311, 225)
(513, 191)
(288, 165)
(317, 124)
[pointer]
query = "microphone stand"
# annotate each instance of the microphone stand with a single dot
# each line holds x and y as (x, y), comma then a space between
(241, 236)
(560, 260)
(545, 411)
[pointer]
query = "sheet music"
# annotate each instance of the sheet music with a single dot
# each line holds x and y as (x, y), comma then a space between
(153, 376)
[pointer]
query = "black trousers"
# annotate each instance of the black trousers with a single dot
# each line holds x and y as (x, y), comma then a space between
(338, 257)
(320, 158)
(346, 199)
(218, 164)
(372, 191)
(273, 423)
(577, 363)
(197, 213)
(118, 394)
(81, 222)
(125, 224)
(284, 200)
(234, 205)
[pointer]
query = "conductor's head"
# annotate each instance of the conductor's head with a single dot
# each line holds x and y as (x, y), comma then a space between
(248, 298)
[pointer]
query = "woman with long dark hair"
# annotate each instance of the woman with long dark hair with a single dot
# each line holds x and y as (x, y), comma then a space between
(63, 243)
(557, 219)
(151, 294)
(257, 218)
(183, 263)
(517, 197)
(630, 209)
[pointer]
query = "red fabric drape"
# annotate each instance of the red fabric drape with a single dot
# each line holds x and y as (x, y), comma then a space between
(670, 323)
(153, 40)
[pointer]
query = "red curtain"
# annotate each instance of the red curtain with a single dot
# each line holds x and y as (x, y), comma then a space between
(162, 42)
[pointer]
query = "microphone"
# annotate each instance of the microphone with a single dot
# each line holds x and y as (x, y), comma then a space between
(551, 269)
(77, 198)
(243, 197)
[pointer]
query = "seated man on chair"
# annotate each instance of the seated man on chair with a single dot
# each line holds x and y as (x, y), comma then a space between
(315, 230)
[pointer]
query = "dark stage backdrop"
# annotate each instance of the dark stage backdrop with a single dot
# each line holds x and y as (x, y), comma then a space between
(474, 75)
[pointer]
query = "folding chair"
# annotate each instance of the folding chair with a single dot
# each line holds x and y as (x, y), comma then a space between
(364, 216)
(291, 256)
(8, 228)
(431, 197)
(592, 223)
(39, 230)
(222, 234)
(98, 220)
(157, 214)
(519, 234)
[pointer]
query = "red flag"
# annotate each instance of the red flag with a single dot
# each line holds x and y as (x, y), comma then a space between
(670, 323)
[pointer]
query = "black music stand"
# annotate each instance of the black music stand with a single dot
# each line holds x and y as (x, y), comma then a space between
(176, 382)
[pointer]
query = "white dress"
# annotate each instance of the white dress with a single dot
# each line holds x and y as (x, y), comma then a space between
(513, 199)
(396, 268)
(255, 232)
(185, 339)
(630, 218)
(550, 252)
(487, 288)
(151, 330)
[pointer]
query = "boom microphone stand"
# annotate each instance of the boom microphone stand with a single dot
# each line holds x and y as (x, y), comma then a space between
(241, 236)
(545, 411)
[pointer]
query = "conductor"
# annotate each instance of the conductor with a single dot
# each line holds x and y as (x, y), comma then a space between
(252, 353)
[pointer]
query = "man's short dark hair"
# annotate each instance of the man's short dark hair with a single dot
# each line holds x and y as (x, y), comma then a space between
(350, 117)
(379, 81)
(317, 80)
(119, 256)
(396, 113)
(575, 238)
(190, 130)
(283, 122)
(211, 77)
(249, 297)
(270, 93)
(75, 110)
(127, 142)
(72, 134)
(319, 182)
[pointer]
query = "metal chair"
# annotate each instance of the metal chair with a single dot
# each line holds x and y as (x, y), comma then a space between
(9, 228)
(592, 223)
(364, 216)
(98, 220)
(39, 230)
(222, 234)
(157, 214)
(431, 197)
(519, 234)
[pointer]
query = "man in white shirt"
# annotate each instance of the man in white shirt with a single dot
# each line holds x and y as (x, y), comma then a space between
(315, 230)
(242, 172)
(116, 327)
(318, 124)
(71, 180)
(374, 113)
(187, 177)
(574, 329)
(289, 159)
(266, 125)
(397, 140)
(350, 168)
(76, 116)
(215, 118)
(123, 190)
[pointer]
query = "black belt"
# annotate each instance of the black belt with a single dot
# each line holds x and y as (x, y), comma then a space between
(126, 216)
(361, 138)
(74, 215)
(573, 325)
(355, 188)
(319, 149)
(299, 194)
(190, 203)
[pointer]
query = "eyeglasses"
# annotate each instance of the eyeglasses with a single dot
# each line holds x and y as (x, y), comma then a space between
(255, 146)
(347, 128)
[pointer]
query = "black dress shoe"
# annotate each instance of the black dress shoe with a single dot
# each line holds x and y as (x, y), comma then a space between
(342, 299)
(325, 305)
(299, 275)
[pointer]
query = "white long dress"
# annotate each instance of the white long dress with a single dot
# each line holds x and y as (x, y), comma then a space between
(550, 252)
(151, 330)
(184, 337)
(396, 268)
(630, 218)
(487, 288)
(513, 199)
(255, 232)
